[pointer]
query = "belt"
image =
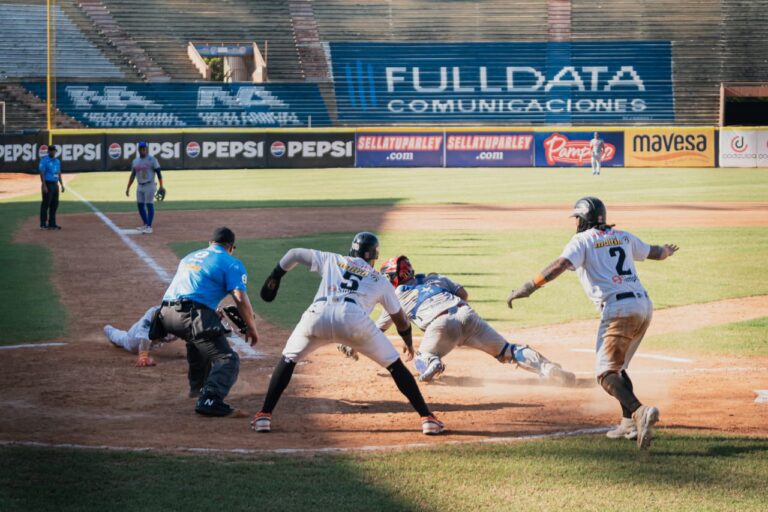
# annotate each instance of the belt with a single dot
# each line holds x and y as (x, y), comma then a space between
(631, 295)
(345, 299)
(450, 310)
(145, 183)
(182, 302)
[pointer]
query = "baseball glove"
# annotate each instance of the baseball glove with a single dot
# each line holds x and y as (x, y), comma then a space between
(160, 194)
(233, 314)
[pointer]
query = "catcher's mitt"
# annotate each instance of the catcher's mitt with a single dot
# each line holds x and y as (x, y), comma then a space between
(233, 314)
(160, 194)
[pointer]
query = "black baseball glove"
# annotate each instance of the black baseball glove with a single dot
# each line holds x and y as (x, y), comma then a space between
(272, 284)
(233, 314)
(160, 194)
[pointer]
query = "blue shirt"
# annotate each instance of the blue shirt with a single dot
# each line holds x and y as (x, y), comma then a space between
(50, 167)
(207, 276)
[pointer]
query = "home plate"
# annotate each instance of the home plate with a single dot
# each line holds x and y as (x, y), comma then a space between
(243, 349)
(762, 396)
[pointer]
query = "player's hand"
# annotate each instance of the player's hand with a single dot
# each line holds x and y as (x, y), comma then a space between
(62, 188)
(252, 337)
(127, 192)
(408, 351)
(515, 295)
(144, 360)
(670, 249)
(45, 189)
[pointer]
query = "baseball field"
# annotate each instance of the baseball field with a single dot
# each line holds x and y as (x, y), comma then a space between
(83, 429)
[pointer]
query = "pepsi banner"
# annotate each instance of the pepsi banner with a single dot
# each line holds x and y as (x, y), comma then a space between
(21, 153)
(224, 150)
(405, 149)
(83, 152)
(123, 148)
(557, 82)
(182, 105)
(571, 149)
(485, 149)
(308, 150)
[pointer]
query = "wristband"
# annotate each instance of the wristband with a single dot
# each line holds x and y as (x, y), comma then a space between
(407, 335)
(539, 281)
(278, 272)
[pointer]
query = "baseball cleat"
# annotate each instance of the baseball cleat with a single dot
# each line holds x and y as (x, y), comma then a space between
(431, 426)
(140, 229)
(626, 429)
(147, 230)
(262, 422)
(645, 418)
(430, 370)
(347, 351)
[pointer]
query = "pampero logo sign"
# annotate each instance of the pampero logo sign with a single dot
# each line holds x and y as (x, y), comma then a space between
(571, 149)
(738, 148)
(496, 81)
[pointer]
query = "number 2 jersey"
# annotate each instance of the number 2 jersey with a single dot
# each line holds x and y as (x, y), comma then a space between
(424, 300)
(605, 262)
(346, 276)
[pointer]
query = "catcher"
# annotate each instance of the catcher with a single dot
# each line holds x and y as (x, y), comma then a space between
(438, 306)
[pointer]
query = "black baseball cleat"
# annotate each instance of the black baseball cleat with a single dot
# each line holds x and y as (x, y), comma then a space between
(54, 227)
(43, 226)
(209, 405)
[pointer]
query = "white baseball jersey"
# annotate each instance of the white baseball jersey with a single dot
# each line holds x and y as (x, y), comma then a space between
(348, 277)
(605, 262)
(596, 147)
(424, 300)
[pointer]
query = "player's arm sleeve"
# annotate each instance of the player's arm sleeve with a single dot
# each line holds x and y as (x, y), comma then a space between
(574, 252)
(297, 256)
(236, 277)
(640, 249)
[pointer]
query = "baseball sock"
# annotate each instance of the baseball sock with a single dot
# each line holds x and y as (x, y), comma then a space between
(150, 213)
(626, 413)
(142, 212)
(617, 387)
(407, 386)
(280, 379)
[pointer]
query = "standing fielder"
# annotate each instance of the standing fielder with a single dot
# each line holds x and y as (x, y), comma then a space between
(597, 151)
(604, 258)
(136, 339)
(143, 169)
(438, 306)
(348, 292)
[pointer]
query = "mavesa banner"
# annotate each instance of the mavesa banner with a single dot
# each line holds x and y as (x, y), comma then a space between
(669, 147)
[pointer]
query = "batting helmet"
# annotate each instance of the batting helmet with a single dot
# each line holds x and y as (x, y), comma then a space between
(590, 211)
(365, 245)
(398, 270)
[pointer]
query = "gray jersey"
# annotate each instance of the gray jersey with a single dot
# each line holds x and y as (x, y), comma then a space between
(424, 300)
(596, 147)
(145, 168)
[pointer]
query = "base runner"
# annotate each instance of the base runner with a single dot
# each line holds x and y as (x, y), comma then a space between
(136, 339)
(604, 260)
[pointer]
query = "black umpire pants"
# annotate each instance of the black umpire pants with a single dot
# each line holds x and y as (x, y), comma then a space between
(50, 204)
(213, 365)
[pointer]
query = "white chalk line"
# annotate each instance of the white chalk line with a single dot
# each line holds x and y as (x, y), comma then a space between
(309, 451)
(762, 396)
(659, 357)
(33, 345)
(655, 371)
(243, 348)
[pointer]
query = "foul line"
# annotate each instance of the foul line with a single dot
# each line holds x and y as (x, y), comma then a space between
(644, 356)
(141, 253)
(32, 345)
(310, 451)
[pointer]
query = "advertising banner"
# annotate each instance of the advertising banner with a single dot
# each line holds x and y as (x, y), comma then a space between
(401, 149)
(669, 147)
(738, 148)
(19, 153)
(556, 82)
(224, 150)
(571, 149)
(182, 105)
(79, 153)
(762, 148)
(307, 150)
(121, 149)
(486, 149)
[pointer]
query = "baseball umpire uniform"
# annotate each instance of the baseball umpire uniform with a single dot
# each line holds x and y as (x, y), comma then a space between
(596, 151)
(603, 258)
(438, 306)
(136, 339)
(143, 170)
(340, 312)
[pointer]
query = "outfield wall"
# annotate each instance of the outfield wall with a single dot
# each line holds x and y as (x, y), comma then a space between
(113, 150)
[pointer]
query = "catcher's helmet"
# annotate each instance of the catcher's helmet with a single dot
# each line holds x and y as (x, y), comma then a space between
(365, 245)
(590, 211)
(398, 270)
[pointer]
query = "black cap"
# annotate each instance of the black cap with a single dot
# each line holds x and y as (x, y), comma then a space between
(223, 235)
(51, 148)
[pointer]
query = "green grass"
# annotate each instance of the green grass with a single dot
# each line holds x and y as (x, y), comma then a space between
(489, 264)
(31, 310)
(682, 473)
(748, 339)
(330, 187)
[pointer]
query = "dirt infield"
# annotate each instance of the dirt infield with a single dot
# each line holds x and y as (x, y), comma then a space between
(87, 392)
(19, 184)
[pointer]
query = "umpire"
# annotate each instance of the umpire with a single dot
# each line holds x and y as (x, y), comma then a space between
(50, 175)
(203, 279)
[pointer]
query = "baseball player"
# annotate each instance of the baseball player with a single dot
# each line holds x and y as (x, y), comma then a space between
(596, 151)
(136, 339)
(604, 260)
(438, 306)
(348, 292)
(143, 169)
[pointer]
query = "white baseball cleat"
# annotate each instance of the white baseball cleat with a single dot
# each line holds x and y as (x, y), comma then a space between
(430, 370)
(645, 418)
(147, 230)
(141, 229)
(431, 426)
(626, 429)
(262, 422)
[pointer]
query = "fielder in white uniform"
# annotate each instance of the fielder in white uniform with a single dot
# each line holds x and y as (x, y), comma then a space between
(438, 306)
(340, 312)
(136, 339)
(596, 151)
(603, 258)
